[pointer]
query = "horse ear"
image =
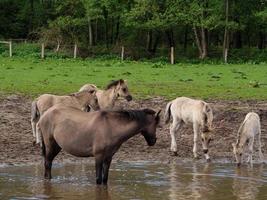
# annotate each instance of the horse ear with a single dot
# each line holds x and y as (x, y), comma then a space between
(92, 91)
(158, 116)
(158, 113)
(121, 81)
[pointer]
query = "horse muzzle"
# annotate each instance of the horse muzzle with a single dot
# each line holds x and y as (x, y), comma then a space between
(129, 98)
(152, 142)
(205, 151)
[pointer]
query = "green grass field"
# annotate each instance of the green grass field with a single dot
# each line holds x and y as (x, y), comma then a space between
(32, 76)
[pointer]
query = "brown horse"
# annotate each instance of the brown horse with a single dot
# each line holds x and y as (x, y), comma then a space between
(95, 134)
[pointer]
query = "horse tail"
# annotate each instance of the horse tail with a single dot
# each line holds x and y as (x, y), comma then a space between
(40, 135)
(35, 113)
(167, 114)
(208, 118)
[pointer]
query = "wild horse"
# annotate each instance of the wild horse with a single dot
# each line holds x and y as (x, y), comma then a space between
(94, 134)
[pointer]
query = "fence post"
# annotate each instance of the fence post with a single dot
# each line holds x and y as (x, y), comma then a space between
(42, 51)
(75, 51)
(10, 48)
(172, 55)
(122, 53)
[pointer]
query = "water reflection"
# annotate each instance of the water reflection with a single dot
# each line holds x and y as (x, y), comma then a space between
(102, 193)
(247, 182)
(190, 185)
(137, 181)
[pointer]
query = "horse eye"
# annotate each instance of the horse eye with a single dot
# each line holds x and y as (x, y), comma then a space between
(202, 139)
(240, 154)
(124, 89)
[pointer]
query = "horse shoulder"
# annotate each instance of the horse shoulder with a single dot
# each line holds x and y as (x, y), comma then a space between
(44, 102)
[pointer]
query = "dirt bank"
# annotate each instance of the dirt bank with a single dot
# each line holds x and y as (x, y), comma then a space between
(16, 140)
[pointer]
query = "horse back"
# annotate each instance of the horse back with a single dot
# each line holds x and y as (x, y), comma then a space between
(73, 130)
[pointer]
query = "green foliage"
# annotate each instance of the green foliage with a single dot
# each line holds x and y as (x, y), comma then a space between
(145, 26)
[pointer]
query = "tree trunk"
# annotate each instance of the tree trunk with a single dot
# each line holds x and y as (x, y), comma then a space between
(58, 45)
(117, 30)
(226, 33)
(96, 32)
(204, 43)
(248, 38)
(170, 37)
(149, 41)
(261, 40)
(105, 13)
(198, 41)
(31, 14)
(112, 30)
(185, 38)
(155, 44)
(90, 33)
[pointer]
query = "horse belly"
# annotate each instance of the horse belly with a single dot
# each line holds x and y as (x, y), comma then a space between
(76, 147)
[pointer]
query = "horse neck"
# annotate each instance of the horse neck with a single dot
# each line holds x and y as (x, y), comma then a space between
(81, 98)
(129, 130)
(241, 140)
(109, 97)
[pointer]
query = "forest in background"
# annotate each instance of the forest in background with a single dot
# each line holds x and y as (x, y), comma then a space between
(195, 28)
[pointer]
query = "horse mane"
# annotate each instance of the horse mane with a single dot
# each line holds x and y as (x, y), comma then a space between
(75, 94)
(114, 83)
(138, 115)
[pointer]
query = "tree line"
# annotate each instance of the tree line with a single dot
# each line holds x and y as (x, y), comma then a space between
(148, 24)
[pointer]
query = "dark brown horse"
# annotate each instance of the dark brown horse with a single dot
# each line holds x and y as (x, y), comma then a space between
(96, 134)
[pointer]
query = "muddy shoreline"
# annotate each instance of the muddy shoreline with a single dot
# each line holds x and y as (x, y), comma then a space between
(16, 140)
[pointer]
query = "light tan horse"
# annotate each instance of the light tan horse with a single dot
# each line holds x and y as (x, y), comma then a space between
(92, 134)
(78, 100)
(108, 97)
(249, 128)
(190, 111)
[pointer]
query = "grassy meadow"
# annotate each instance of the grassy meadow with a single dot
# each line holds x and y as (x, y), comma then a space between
(33, 76)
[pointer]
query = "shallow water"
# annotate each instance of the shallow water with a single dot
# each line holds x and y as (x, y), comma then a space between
(136, 181)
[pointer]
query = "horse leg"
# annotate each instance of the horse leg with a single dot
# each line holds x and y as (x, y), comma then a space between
(106, 166)
(33, 123)
(250, 150)
(176, 124)
(196, 132)
(260, 152)
(51, 152)
(99, 171)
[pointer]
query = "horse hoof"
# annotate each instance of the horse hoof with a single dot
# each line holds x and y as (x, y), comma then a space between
(34, 143)
(208, 160)
(196, 157)
(174, 153)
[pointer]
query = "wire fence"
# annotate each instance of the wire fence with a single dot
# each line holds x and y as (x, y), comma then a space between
(42, 50)
(22, 47)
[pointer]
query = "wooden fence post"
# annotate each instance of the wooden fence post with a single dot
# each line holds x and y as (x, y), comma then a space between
(122, 53)
(75, 51)
(172, 55)
(10, 48)
(42, 51)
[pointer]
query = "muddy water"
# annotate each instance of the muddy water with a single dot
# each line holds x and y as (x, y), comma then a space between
(136, 181)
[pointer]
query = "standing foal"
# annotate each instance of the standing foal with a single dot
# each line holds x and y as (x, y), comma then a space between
(245, 136)
(184, 111)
